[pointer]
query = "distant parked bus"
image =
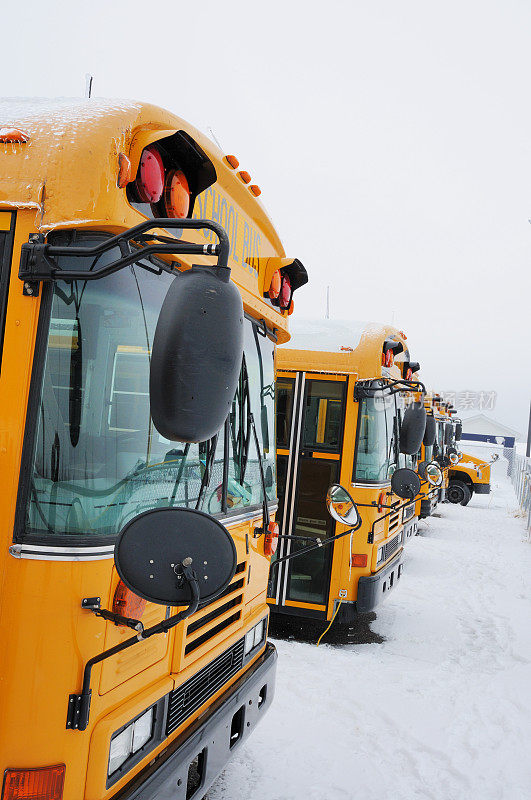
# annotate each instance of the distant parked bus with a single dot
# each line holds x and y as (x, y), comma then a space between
(345, 415)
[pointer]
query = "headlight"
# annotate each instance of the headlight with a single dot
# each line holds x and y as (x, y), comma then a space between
(120, 749)
(255, 636)
(129, 741)
(380, 555)
(142, 730)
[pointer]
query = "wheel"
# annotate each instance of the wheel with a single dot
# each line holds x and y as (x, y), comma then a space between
(458, 492)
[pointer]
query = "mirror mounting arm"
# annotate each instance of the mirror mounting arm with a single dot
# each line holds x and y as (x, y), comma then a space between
(79, 704)
(38, 259)
(93, 604)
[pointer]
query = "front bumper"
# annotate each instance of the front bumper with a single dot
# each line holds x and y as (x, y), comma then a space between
(372, 589)
(482, 488)
(411, 528)
(213, 737)
(427, 506)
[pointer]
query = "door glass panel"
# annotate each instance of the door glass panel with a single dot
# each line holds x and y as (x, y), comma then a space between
(309, 574)
(282, 469)
(284, 406)
(323, 415)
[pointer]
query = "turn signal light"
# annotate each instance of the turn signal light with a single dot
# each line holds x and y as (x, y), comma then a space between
(150, 179)
(382, 497)
(271, 539)
(127, 603)
(41, 783)
(387, 359)
(276, 282)
(13, 135)
(176, 195)
(358, 560)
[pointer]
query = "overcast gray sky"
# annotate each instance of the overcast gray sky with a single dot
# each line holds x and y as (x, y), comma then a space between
(391, 139)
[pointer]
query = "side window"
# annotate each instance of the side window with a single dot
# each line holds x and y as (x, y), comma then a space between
(323, 414)
(284, 411)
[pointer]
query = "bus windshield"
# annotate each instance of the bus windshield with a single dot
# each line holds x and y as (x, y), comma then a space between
(98, 460)
(375, 459)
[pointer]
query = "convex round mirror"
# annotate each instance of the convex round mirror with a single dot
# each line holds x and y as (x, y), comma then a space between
(405, 483)
(430, 471)
(342, 507)
(196, 356)
(413, 428)
(454, 458)
(151, 547)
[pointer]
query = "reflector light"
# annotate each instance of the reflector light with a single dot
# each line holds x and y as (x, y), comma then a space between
(358, 560)
(271, 539)
(13, 135)
(176, 195)
(150, 179)
(232, 161)
(124, 171)
(276, 282)
(255, 189)
(41, 783)
(244, 176)
(284, 298)
(127, 603)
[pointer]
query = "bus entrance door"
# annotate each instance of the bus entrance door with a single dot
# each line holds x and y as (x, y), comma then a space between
(310, 412)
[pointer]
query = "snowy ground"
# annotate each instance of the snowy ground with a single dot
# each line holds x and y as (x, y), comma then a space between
(442, 709)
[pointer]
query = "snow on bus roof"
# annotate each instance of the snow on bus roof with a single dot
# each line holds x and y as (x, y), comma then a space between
(327, 335)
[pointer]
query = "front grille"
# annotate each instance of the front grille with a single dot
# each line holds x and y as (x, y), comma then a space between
(198, 689)
(391, 547)
(394, 521)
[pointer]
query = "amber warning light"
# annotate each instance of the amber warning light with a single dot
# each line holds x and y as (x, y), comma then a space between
(41, 783)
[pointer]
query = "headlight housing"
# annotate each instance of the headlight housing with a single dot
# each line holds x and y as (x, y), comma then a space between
(380, 555)
(130, 740)
(255, 637)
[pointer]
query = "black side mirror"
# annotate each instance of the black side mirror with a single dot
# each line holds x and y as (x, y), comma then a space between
(458, 431)
(151, 548)
(413, 428)
(196, 355)
(430, 432)
(405, 483)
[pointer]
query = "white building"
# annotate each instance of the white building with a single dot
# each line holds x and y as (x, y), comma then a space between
(482, 425)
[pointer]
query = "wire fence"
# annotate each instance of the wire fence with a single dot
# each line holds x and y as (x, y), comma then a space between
(519, 471)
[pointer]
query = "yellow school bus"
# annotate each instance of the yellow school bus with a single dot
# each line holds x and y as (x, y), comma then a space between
(467, 474)
(429, 493)
(342, 403)
(143, 289)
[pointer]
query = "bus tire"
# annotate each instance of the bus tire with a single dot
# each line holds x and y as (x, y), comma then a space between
(458, 492)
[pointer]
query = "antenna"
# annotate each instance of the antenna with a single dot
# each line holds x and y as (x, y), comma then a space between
(214, 137)
(88, 85)
(327, 302)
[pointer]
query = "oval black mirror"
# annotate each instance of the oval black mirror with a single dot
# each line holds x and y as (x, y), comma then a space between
(448, 433)
(196, 356)
(458, 431)
(341, 506)
(413, 428)
(151, 547)
(430, 432)
(405, 483)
